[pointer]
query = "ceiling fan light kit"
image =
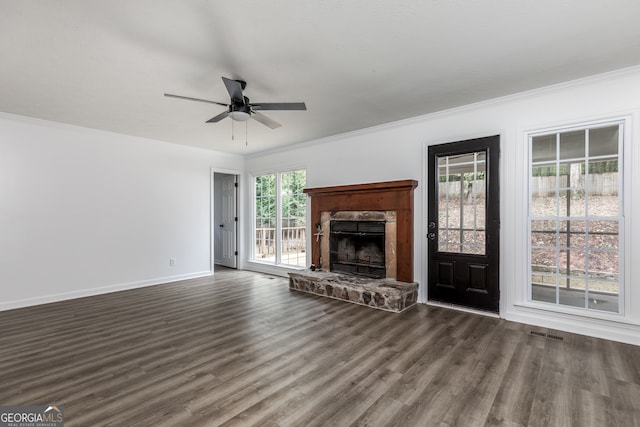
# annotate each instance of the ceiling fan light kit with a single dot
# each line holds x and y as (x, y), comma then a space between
(240, 116)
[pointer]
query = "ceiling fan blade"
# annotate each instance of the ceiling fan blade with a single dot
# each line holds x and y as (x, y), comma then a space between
(278, 105)
(265, 120)
(195, 99)
(234, 88)
(218, 117)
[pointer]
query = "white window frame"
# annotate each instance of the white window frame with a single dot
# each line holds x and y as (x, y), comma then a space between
(623, 190)
(278, 233)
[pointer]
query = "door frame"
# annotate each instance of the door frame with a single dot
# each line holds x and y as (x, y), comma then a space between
(212, 226)
(423, 293)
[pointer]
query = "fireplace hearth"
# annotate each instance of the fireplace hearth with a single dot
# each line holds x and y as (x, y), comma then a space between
(382, 294)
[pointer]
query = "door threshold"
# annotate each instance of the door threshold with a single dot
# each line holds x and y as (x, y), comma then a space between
(462, 308)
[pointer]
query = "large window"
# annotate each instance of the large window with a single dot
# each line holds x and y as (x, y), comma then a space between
(575, 217)
(280, 218)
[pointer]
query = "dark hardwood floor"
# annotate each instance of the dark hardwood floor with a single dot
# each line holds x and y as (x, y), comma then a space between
(241, 349)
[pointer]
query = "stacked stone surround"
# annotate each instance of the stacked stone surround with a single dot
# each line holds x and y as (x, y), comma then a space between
(384, 294)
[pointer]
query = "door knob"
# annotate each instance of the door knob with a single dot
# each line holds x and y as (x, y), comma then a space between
(432, 224)
(431, 236)
(221, 225)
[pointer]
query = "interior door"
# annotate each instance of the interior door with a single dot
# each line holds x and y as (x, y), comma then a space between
(464, 223)
(226, 219)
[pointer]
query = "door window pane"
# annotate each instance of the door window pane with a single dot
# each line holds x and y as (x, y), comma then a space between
(294, 215)
(280, 218)
(462, 203)
(265, 211)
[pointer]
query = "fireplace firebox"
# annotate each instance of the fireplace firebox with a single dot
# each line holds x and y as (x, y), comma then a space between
(358, 247)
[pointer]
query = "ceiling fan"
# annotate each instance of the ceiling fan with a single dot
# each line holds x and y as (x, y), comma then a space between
(240, 109)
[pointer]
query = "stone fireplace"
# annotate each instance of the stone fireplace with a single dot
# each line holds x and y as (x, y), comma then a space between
(363, 245)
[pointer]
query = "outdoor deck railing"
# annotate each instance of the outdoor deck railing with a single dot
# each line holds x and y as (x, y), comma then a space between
(293, 240)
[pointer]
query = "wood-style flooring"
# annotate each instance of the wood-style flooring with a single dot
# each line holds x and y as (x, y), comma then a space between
(240, 349)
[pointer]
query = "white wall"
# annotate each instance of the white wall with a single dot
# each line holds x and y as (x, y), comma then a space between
(396, 151)
(85, 212)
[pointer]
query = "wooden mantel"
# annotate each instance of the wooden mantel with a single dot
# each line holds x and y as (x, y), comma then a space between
(378, 196)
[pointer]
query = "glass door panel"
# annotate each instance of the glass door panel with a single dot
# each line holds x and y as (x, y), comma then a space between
(462, 203)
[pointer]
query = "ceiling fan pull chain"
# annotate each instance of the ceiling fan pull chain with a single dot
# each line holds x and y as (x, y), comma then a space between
(232, 136)
(246, 134)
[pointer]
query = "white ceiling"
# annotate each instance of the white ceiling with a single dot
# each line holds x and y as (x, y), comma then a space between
(356, 63)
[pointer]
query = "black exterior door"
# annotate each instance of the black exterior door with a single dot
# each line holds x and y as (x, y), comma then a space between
(464, 223)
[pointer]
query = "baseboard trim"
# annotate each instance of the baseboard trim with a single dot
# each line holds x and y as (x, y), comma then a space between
(622, 332)
(63, 296)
